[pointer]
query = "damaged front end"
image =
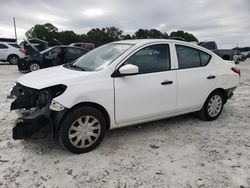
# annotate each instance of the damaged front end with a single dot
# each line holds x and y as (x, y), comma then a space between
(36, 119)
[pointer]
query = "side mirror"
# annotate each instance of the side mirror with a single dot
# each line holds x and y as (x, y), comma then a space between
(128, 69)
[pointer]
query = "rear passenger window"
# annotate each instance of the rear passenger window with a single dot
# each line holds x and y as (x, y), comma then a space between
(74, 51)
(155, 58)
(2, 46)
(205, 58)
(15, 45)
(190, 57)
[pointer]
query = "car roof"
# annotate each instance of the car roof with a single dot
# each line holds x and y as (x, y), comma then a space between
(67, 46)
(3, 42)
(148, 41)
(142, 42)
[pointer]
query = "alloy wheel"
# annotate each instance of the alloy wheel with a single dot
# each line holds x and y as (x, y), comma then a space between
(34, 67)
(13, 60)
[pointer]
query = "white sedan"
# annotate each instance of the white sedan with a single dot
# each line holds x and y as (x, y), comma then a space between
(119, 84)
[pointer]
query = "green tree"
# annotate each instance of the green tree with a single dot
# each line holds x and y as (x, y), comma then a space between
(101, 36)
(150, 34)
(68, 37)
(45, 32)
(185, 35)
(126, 37)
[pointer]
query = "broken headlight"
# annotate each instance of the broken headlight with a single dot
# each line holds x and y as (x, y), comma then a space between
(56, 106)
(28, 98)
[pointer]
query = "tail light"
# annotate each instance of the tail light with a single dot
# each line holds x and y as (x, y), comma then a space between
(236, 70)
(22, 50)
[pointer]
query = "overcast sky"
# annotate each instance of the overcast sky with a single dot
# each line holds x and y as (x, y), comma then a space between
(227, 22)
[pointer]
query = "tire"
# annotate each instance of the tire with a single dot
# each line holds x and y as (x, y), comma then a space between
(34, 66)
(74, 128)
(13, 59)
(213, 106)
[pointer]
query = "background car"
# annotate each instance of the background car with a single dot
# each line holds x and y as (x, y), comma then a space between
(11, 52)
(226, 54)
(53, 56)
(88, 46)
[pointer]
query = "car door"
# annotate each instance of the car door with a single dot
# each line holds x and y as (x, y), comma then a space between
(152, 92)
(195, 75)
(53, 57)
(3, 51)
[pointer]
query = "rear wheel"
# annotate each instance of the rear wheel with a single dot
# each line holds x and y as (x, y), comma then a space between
(212, 107)
(82, 130)
(13, 59)
(34, 66)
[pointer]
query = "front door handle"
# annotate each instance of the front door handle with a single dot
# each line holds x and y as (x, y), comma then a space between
(167, 82)
(211, 77)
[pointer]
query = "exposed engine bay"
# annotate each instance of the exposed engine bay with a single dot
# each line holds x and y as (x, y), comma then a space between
(35, 118)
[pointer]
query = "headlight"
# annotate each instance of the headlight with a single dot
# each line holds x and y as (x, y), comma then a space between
(56, 106)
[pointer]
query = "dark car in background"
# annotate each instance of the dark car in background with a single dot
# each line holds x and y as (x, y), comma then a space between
(53, 56)
(88, 46)
(226, 54)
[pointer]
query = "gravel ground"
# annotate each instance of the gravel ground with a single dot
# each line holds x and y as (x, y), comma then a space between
(177, 152)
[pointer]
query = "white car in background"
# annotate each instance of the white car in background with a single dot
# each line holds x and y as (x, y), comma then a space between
(11, 52)
(119, 84)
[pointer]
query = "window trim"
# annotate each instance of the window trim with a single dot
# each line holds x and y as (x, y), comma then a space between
(116, 71)
(199, 51)
(210, 57)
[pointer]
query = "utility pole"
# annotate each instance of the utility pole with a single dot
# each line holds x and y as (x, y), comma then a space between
(14, 20)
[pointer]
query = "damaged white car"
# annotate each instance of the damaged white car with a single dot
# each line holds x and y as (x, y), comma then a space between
(119, 84)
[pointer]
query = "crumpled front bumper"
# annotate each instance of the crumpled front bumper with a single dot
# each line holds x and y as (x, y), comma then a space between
(34, 120)
(35, 125)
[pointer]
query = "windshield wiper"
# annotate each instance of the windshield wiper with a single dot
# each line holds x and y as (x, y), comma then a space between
(71, 65)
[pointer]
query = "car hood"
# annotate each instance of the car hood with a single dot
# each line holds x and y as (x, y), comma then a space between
(51, 76)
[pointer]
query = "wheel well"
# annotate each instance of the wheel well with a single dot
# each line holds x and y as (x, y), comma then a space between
(98, 107)
(12, 55)
(34, 62)
(223, 92)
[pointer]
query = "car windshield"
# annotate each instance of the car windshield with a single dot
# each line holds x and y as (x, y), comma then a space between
(100, 57)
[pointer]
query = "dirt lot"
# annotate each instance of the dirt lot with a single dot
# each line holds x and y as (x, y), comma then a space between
(176, 152)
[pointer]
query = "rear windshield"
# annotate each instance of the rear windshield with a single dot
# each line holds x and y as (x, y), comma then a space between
(15, 45)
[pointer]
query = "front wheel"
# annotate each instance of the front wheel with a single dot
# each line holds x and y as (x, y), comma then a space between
(82, 130)
(212, 107)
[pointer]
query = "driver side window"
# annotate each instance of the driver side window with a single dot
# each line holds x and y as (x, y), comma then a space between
(155, 58)
(54, 52)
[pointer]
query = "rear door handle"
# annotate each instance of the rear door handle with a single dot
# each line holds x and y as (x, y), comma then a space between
(211, 77)
(167, 82)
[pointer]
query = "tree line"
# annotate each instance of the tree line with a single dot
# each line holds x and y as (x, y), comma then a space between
(99, 36)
